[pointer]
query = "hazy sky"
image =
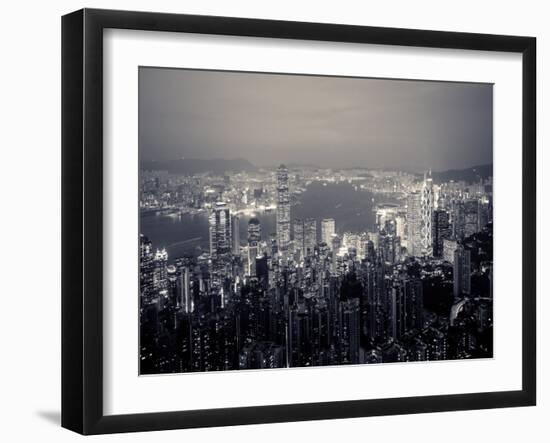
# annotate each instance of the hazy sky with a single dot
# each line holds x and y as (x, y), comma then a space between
(326, 121)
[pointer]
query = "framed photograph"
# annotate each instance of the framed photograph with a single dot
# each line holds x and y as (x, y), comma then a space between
(268, 221)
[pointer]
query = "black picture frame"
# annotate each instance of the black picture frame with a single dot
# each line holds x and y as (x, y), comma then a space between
(82, 218)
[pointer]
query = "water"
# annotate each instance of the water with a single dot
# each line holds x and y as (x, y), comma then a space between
(188, 234)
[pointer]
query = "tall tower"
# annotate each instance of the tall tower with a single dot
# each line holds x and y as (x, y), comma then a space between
(159, 275)
(185, 301)
(235, 227)
(440, 231)
(283, 209)
(220, 230)
(146, 268)
(426, 207)
(310, 235)
(328, 229)
(461, 272)
(254, 237)
(414, 224)
(298, 227)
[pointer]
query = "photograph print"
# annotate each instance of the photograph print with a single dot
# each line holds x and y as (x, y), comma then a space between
(291, 221)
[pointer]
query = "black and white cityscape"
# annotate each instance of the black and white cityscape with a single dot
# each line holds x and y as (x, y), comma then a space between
(297, 221)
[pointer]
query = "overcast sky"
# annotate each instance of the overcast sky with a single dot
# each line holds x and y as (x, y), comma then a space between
(326, 121)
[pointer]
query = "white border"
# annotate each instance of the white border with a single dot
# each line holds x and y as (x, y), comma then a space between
(125, 392)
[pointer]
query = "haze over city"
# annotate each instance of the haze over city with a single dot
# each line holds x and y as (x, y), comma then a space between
(329, 122)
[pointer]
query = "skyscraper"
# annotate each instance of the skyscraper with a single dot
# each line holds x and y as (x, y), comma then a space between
(310, 235)
(458, 220)
(184, 291)
(449, 248)
(254, 237)
(461, 272)
(220, 230)
(427, 205)
(146, 268)
(298, 228)
(414, 304)
(283, 209)
(328, 229)
(419, 218)
(440, 231)
(159, 276)
(350, 331)
(236, 236)
(471, 217)
(397, 312)
(414, 224)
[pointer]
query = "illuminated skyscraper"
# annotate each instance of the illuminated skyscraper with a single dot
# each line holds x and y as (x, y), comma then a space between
(185, 301)
(254, 237)
(159, 276)
(471, 217)
(299, 246)
(146, 268)
(419, 219)
(414, 224)
(283, 209)
(236, 236)
(427, 206)
(449, 248)
(310, 235)
(328, 229)
(220, 230)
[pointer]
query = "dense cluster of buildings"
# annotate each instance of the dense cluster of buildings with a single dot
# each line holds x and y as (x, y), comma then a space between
(417, 286)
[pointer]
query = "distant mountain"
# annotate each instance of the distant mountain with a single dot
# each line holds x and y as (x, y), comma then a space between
(190, 166)
(469, 175)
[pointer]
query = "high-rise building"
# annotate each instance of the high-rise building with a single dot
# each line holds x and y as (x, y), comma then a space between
(400, 226)
(427, 206)
(350, 331)
(185, 301)
(310, 235)
(414, 302)
(449, 248)
(440, 231)
(328, 229)
(254, 237)
(283, 209)
(262, 270)
(397, 312)
(236, 236)
(419, 219)
(299, 245)
(220, 230)
(146, 268)
(471, 217)
(159, 265)
(458, 220)
(414, 224)
(461, 272)
(172, 277)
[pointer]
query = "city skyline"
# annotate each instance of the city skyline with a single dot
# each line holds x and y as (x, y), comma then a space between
(296, 266)
(337, 122)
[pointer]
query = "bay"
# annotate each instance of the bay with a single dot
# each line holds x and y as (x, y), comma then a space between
(352, 209)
